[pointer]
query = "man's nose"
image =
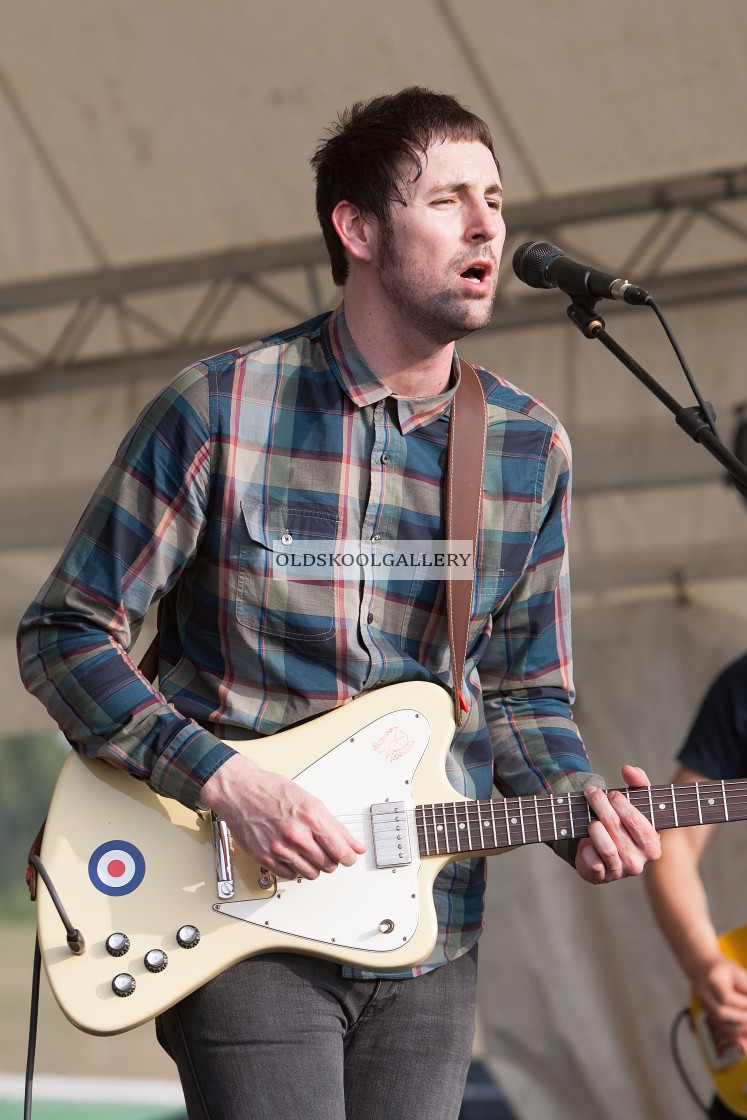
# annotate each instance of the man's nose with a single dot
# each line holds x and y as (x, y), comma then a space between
(486, 223)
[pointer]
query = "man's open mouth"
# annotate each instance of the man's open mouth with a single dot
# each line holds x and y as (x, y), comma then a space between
(477, 273)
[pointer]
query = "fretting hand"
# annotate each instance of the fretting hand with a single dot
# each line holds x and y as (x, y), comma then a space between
(621, 841)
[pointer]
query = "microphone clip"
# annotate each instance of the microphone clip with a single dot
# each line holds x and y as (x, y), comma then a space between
(582, 314)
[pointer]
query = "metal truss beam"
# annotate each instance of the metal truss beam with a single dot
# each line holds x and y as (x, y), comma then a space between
(148, 340)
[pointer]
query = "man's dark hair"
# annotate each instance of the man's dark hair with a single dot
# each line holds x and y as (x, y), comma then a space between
(364, 156)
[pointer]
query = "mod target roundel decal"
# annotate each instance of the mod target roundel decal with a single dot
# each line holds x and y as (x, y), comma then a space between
(116, 867)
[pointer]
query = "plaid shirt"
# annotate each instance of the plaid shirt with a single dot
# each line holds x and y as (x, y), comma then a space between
(295, 434)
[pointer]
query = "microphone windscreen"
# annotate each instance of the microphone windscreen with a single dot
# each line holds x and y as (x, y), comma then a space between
(530, 259)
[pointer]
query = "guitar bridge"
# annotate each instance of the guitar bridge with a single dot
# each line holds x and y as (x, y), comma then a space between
(221, 851)
(391, 836)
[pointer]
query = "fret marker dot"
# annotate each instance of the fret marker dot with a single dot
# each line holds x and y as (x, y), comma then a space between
(486, 824)
(662, 805)
(514, 820)
(564, 832)
(711, 801)
(462, 825)
(560, 801)
(439, 828)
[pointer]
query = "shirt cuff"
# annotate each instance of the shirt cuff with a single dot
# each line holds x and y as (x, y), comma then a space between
(184, 767)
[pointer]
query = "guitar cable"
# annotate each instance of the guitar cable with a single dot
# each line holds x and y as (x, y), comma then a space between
(673, 1044)
(33, 1023)
(77, 945)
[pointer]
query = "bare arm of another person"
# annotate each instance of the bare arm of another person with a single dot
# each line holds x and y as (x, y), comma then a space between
(680, 904)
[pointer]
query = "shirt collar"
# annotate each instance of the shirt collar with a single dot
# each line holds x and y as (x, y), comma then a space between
(363, 387)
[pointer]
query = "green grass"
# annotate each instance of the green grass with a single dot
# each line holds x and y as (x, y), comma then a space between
(93, 1110)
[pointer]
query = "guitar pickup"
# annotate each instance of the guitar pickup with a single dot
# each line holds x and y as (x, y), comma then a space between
(391, 836)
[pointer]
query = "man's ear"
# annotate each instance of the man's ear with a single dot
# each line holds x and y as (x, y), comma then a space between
(357, 233)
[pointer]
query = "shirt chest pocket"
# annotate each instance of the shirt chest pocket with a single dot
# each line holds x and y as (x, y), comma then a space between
(273, 598)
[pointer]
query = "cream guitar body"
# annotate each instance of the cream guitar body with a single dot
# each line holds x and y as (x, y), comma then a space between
(164, 902)
(125, 861)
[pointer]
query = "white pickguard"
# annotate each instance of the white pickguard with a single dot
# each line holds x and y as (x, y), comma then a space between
(357, 906)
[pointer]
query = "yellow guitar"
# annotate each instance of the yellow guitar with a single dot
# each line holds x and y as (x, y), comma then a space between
(164, 902)
(727, 1062)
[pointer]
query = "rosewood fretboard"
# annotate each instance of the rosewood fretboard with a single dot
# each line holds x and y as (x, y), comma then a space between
(472, 826)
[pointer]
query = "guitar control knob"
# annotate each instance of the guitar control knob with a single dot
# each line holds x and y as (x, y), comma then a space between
(187, 936)
(386, 925)
(155, 960)
(123, 984)
(117, 944)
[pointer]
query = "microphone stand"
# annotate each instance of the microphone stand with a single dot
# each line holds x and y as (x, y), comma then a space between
(691, 419)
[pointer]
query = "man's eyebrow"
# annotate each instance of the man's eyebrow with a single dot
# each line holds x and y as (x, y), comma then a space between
(458, 188)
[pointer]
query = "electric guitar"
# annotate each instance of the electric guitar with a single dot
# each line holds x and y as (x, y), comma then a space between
(726, 1061)
(164, 903)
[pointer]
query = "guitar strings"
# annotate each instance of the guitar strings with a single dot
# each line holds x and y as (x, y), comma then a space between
(534, 819)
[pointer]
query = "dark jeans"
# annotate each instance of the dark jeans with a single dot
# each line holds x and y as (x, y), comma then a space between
(286, 1036)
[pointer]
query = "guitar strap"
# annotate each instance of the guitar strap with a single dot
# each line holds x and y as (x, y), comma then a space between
(465, 466)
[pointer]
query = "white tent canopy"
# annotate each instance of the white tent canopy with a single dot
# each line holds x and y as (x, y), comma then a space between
(156, 204)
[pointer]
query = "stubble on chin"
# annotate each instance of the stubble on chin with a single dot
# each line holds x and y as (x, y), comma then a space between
(447, 317)
(442, 316)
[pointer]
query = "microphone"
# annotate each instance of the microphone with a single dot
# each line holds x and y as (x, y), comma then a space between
(541, 265)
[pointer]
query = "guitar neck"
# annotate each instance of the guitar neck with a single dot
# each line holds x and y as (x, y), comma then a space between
(466, 827)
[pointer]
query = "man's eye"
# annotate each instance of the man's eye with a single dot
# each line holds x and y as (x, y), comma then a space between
(494, 203)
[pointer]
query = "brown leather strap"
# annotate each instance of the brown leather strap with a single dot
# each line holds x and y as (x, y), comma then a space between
(464, 474)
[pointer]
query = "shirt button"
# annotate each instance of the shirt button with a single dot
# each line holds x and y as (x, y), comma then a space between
(376, 537)
(369, 619)
(385, 457)
(287, 538)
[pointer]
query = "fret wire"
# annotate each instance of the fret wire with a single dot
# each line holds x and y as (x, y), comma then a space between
(537, 818)
(419, 820)
(469, 830)
(700, 808)
(508, 826)
(456, 826)
(554, 822)
(674, 807)
(443, 827)
(521, 821)
(723, 792)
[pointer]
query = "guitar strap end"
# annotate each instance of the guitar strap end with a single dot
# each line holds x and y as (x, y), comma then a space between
(31, 872)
